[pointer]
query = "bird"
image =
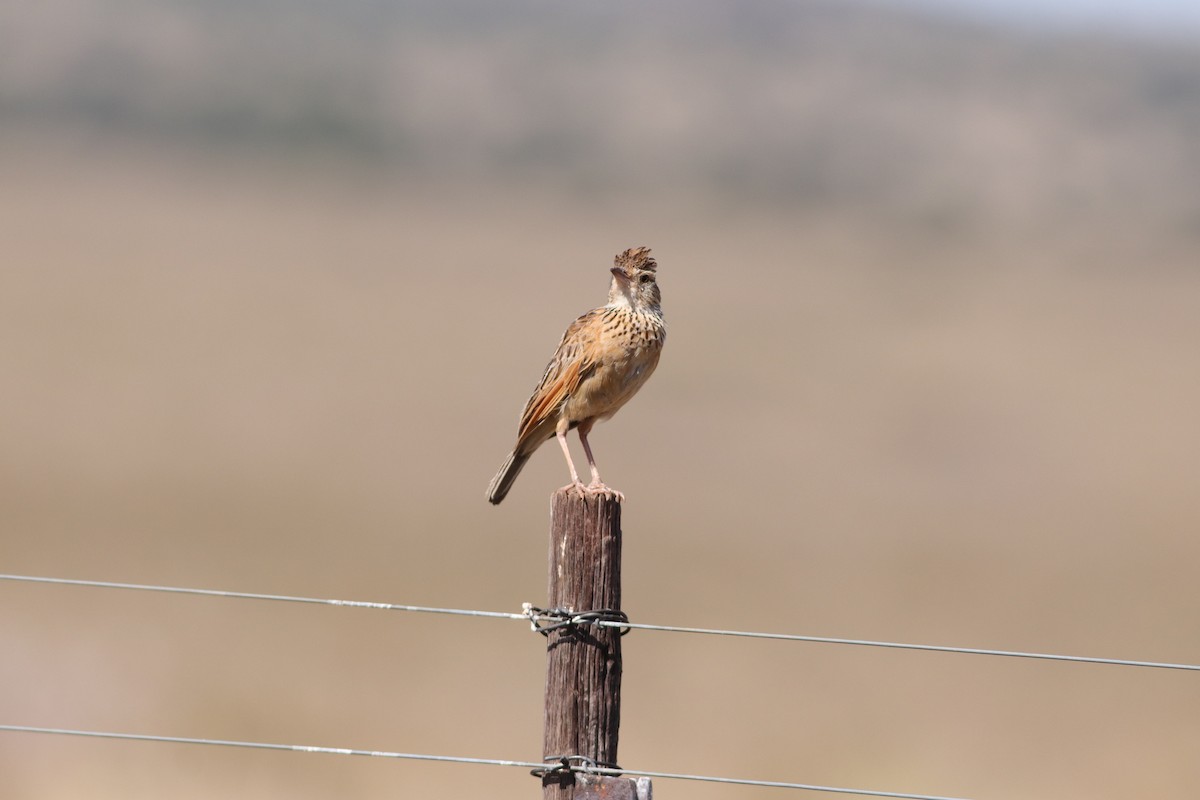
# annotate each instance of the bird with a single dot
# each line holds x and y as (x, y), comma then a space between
(603, 359)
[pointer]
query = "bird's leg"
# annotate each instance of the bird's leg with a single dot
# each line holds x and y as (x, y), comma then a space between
(596, 485)
(584, 429)
(562, 440)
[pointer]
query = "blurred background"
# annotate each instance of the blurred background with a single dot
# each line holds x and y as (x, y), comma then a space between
(278, 278)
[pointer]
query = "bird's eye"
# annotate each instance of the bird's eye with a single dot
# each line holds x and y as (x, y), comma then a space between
(646, 278)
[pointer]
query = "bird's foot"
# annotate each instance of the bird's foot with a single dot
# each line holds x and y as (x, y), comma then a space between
(576, 486)
(598, 487)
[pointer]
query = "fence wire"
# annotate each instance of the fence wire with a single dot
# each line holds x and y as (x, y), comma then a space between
(531, 765)
(533, 617)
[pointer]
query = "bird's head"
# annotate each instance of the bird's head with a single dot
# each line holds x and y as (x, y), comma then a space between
(635, 280)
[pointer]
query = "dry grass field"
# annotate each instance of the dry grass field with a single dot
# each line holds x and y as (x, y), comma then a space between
(228, 367)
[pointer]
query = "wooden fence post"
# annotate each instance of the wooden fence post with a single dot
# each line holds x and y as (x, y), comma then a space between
(583, 663)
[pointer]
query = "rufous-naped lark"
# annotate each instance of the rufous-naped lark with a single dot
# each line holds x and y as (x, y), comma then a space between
(603, 359)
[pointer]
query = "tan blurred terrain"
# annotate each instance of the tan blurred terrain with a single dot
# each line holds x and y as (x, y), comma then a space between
(931, 377)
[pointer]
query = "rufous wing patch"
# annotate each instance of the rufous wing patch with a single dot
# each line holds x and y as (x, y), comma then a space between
(566, 370)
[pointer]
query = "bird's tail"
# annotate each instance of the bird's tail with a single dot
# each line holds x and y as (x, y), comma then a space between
(508, 473)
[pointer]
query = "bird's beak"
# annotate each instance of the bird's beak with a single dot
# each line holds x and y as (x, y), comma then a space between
(620, 274)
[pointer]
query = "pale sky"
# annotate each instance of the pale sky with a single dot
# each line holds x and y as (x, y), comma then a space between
(1173, 16)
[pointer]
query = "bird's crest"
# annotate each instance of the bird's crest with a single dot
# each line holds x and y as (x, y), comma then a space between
(636, 258)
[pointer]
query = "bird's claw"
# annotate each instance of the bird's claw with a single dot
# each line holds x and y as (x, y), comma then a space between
(593, 488)
(575, 485)
(598, 487)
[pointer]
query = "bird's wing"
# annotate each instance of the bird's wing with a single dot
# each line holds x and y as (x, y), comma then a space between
(572, 362)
